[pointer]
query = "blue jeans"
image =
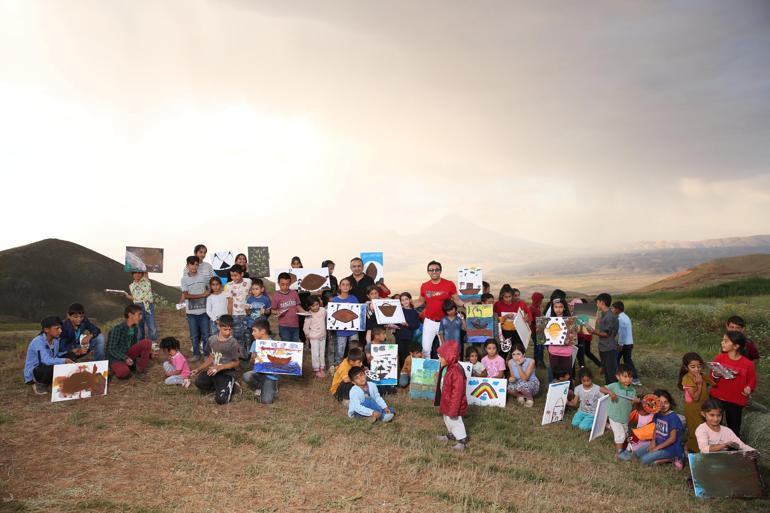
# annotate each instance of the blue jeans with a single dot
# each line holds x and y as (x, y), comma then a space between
(96, 347)
(147, 324)
(583, 421)
(372, 405)
(288, 334)
(342, 343)
(199, 332)
(648, 458)
(241, 333)
(213, 327)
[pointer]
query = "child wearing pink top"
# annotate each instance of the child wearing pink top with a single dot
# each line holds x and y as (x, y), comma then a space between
(560, 356)
(712, 436)
(176, 368)
(493, 362)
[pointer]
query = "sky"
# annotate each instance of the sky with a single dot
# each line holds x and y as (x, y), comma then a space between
(319, 128)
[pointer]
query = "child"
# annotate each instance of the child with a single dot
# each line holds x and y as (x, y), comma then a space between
(123, 350)
(666, 445)
(42, 355)
(80, 336)
(523, 383)
(221, 362)
(451, 399)
(694, 385)
(343, 337)
(644, 430)
(734, 392)
(559, 357)
(141, 295)
(287, 303)
(535, 308)
(405, 331)
(493, 362)
(237, 291)
(265, 386)
(258, 303)
(341, 383)
(216, 306)
(588, 393)
(195, 289)
(378, 337)
(315, 332)
(736, 323)
(506, 308)
(176, 368)
(711, 436)
(622, 400)
(365, 400)
(472, 356)
(415, 351)
(372, 293)
(625, 339)
(452, 324)
(607, 331)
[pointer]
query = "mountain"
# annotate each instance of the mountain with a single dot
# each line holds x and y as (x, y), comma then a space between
(713, 273)
(754, 241)
(45, 277)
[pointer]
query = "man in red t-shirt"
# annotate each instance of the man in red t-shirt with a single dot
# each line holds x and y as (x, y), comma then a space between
(433, 293)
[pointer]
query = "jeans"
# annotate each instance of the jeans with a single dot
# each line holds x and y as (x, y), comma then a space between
(584, 350)
(648, 458)
(403, 380)
(372, 405)
(269, 387)
(213, 327)
(148, 323)
(96, 348)
(539, 353)
(583, 421)
(199, 332)
(625, 354)
(610, 365)
(240, 333)
(733, 414)
(342, 343)
(288, 334)
(176, 379)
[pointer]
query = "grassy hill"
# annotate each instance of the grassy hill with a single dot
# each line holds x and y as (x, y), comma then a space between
(44, 277)
(745, 269)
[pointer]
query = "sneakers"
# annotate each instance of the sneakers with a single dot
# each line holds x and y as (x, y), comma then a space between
(529, 403)
(636, 383)
(624, 455)
(521, 399)
(459, 446)
(40, 389)
(388, 417)
(445, 438)
(332, 370)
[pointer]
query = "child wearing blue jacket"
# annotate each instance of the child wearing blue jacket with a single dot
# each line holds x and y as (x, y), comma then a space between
(365, 399)
(43, 354)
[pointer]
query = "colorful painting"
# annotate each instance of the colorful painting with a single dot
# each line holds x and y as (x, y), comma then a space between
(79, 380)
(467, 368)
(388, 311)
(221, 262)
(144, 260)
(469, 283)
(555, 403)
(278, 357)
(729, 474)
(600, 418)
(374, 265)
(486, 392)
(557, 331)
(384, 364)
(585, 316)
(259, 262)
(479, 322)
(307, 279)
(424, 378)
(522, 327)
(346, 316)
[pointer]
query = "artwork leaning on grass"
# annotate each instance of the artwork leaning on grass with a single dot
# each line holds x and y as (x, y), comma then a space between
(729, 474)
(388, 311)
(346, 316)
(486, 392)
(424, 378)
(278, 357)
(144, 260)
(259, 261)
(557, 331)
(383, 369)
(555, 403)
(600, 418)
(479, 322)
(469, 283)
(79, 380)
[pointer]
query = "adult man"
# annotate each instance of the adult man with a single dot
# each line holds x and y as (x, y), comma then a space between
(359, 280)
(433, 293)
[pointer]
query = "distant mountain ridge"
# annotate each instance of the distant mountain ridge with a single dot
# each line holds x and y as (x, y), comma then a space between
(714, 272)
(743, 242)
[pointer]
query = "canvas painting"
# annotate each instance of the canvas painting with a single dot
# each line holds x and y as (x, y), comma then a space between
(480, 322)
(278, 357)
(600, 418)
(221, 262)
(585, 316)
(144, 260)
(374, 265)
(384, 364)
(307, 279)
(79, 380)
(467, 368)
(522, 328)
(388, 311)
(346, 316)
(555, 403)
(729, 474)
(259, 262)
(469, 283)
(424, 378)
(557, 331)
(486, 392)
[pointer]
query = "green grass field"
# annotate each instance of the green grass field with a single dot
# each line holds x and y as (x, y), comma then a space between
(146, 447)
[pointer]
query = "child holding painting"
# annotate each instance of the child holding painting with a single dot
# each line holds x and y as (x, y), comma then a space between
(694, 385)
(405, 332)
(666, 445)
(472, 356)
(452, 324)
(622, 400)
(450, 398)
(415, 351)
(712, 436)
(265, 386)
(733, 391)
(559, 357)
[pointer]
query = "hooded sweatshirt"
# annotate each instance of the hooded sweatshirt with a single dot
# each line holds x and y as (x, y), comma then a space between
(534, 309)
(451, 399)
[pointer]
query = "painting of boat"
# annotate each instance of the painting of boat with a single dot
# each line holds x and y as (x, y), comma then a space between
(278, 357)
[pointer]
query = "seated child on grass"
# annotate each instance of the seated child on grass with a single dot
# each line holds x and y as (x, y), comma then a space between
(176, 368)
(667, 444)
(493, 362)
(415, 351)
(523, 383)
(341, 383)
(265, 386)
(378, 334)
(643, 430)
(622, 400)
(217, 373)
(588, 394)
(365, 400)
(472, 356)
(712, 436)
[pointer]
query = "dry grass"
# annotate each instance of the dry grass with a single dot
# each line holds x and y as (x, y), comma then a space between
(149, 448)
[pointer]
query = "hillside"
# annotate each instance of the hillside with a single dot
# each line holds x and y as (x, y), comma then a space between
(44, 277)
(714, 272)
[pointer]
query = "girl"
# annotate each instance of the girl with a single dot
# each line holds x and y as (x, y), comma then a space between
(588, 394)
(584, 342)
(315, 331)
(241, 260)
(523, 383)
(175, 367)
(559, 357)
(694, 385)
(493, 362)
(472, 357)
(372, 293)
(507, 305)
(141, 294)
(216, 305)
(405, 332)
(711, 436)
(343, 337)
(734, 392)
(666, 445)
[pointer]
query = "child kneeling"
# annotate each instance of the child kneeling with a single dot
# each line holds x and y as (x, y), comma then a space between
(365, 399)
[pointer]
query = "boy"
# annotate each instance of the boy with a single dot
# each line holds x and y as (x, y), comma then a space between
(452, 324)
(341, 383)
(378, 337)
(123, 350)
(258, 303)
(175, 367)
(622, 400)
(42, 355)
(415, 351)
(195, 290)
(220, 365)
(365, 400)
(607, 331)
(736, 323)
(237, 291)
(265, 386)
(286, 302)
(625, 339)
(79, 336)
(452, 402)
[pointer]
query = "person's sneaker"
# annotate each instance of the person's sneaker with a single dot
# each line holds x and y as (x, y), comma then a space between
(636, 383)
(387, 417)
(529, 403)
(624, 455)
(332, 370)
(520, 399)
(40, 389)
(155, 347)
(459, 446)
(258, 392)
(678, 464)
(445, 438)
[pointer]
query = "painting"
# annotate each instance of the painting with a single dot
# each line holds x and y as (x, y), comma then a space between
(388, 311)
(307, 279)
(729, 474)
(555, 403)
(221, 262)
(259, 261)
(479, 322)
(144, 260)
(469, 283)
(79, 380)
(346, 316)
(424, 378)
(557, 331)
(585, 316)
(522, 327)
(486, 392)
(600, 418)
(384, 364)
(278, 357)
(374, 265)
(467, 368)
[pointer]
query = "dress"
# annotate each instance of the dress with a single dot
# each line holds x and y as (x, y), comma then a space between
(692, 409)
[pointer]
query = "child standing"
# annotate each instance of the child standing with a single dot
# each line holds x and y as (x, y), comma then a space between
(607, 331)
(415, 351)
(265, 386)
(472, 356)
(451, 399)
(176, 368)
(452, 325)
(372, 293)
(141, 295)
(622, 400)
(711, 436)
(588, 393)
(736, 323)
(625, 339)
(216, 305)
(365, 399)
(559, 357)
(506, 307)
(493, 362)
(237, 291)
(343, 337)
(315, 332)
(523, 383)
(405, 332)
(695, 387)
(535, 308)
(341, 383)
(286, 303)
(734, 392)
(217, 373)
(195, 289)
(668, 433)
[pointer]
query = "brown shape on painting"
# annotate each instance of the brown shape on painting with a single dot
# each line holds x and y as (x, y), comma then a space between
(81, 381)
(371, 270)
(275, 360)
(312, 282)
(345, 315)
(388, 309)
(469, 292)
(293, 278)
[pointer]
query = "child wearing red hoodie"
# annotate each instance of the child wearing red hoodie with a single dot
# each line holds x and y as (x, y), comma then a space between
(450, 396)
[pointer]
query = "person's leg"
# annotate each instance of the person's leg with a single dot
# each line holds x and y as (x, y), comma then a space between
(372, 405)
(587, 423)
(239, 329)
(648, 458)
(250, 379)
(204, 382)
(629, 361)
(590, 355)
(168, 367)
(119, 369)
(174, 380)
(213, 328)
(96, 348)
(295, 334)
(609, 360)
(342, 343)
(578, 418)
(581, 354)
(195, 334)
(43, 374)
(733, 414)
(223, 388)
(269, 387)
(152, 327)
(204, 326)
(403, 380)
(315, 356)
(343, 391)
(430, 329)
(140, 353)
(142, 326)
(456, 427)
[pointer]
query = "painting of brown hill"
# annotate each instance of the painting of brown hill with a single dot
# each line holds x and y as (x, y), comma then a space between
(714, 272)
